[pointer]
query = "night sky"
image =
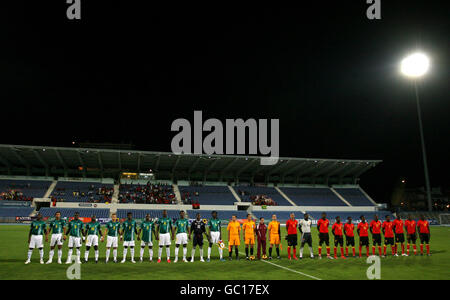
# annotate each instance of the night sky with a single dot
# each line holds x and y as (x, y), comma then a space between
(123, 73)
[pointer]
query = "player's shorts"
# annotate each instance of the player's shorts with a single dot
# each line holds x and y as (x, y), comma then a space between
(143, 244)
(36, 241)
(74, 242)
(307, 239)
(92, 240)
(112, 241)
(274, 239)
(339, 240)
(412, 238)
(128, 243)
(399, 238)
(424, 238)
(389, 241)
(215, 237)
(56, 239)
(324, 238)
(197, 240)
(234, 240)
(364, 241)
(164, 239)
(292, 240)
(350, 241)
(181, 238)
(249, 240)
(376, 239)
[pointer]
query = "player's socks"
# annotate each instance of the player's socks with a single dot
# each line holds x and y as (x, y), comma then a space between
(192, 254)
(295, 252)
(373, 250)
(230, 253)
(96, 255)
(115, 254)
(367, 251)
(328, 251)
(168, 253)
(270, 252)
(50, 256)
(78, 255)
(177, 249)
(288, 251)
(150, 252)
(209, 252)
(403, 249)
(132, 254)
(301, 252)
(159, 253)
(342, 251)
(360, 251)
(393, 250)
(184, 252)
(236, 251)
(428, 248)
(415, 249)
(246, 251)
(354, 251)
(384, 250)
(421, 248)
(108, 252)
(221, 253)
(29, 254)
(335, 252)
(141, 253)
(201, 254)
(379, 250)
(59, 254)
(346, 251)
(407, 249)
(125, 250)
(86, 255)
(278, 252)
(69, 256)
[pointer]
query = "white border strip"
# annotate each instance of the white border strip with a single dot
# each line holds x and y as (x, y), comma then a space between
(291, 270)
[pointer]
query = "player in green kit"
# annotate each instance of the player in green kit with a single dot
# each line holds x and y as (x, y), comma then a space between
(215, 234)
(93, 230)
(147, 228)
(57, 228)
(164, 230)
(181, 227)
(35, 238)
(111, 233)
(129, 231)
(75, 231)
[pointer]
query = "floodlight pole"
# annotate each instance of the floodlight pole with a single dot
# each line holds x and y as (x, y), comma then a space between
(425, 165)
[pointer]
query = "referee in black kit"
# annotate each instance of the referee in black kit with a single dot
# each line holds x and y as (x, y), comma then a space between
(198, 228)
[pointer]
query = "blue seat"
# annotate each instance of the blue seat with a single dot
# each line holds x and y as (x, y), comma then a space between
(15, 211)
(69, 212)
(312, 196)
(259, 190)
(354, 196)
(209, 195)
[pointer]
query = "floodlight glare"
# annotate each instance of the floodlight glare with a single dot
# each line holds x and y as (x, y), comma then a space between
(415, 65)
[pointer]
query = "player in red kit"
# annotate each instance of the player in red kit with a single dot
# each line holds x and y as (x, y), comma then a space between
(424, 234)
(322, 225)
(261, 230)
(388, 231)
(399, 235)
(410, 226)
(349, 229)
(363, 232)
(337, 230)
(291, 228)
(375, 229)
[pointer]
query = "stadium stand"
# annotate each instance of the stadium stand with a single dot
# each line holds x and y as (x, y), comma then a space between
(222, 214)
(23, 190)
(141, 213)
(354, 196)
(282, 216)
(15, 211)
(210, 195)
(312, 196)
(94, 192)
(254, 193)
(147, 194)
(69, 212)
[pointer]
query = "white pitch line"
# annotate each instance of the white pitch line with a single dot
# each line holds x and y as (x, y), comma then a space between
(291, 270)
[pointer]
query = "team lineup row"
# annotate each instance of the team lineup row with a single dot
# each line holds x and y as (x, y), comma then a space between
(164, 230)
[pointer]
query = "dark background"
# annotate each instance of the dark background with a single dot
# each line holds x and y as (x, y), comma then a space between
(125, 71)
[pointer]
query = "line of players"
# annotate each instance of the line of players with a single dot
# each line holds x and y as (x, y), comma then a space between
(164, 230)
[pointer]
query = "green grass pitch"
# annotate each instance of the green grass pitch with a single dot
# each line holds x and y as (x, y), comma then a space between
(13, 249)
